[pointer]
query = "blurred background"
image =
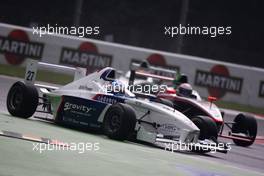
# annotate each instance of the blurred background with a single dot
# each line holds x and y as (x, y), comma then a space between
(141, 23)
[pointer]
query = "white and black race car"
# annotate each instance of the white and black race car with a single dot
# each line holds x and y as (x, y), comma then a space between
(88, 103)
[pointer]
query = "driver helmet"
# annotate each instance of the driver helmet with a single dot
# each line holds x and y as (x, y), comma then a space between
(185, 90)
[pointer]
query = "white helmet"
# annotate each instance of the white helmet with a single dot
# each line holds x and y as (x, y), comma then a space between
(185, 90)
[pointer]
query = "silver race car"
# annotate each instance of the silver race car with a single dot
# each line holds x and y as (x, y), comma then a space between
(93, 102)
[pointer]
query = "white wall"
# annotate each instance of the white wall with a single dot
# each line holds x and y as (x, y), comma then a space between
(120, 57)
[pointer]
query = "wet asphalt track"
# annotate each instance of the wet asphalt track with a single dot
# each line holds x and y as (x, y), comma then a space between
(113, 158)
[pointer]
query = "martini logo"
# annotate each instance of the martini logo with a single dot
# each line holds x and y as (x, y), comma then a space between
(159, 61)
(218, 81)
(261, 89)
(17, 46)
(86, 56)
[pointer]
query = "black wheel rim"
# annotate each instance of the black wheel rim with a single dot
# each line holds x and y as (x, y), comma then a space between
(16, 99)
(115, 122)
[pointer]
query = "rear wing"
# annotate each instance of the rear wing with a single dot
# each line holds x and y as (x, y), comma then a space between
(34, 65)
(146, 70)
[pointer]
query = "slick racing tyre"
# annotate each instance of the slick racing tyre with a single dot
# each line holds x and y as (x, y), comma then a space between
(208, 128)
(22, 100)
(246, 125)
(119, 121)
(165, 102)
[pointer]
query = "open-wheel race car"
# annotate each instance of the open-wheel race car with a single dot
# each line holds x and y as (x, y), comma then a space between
(93, 102)
(203, 113)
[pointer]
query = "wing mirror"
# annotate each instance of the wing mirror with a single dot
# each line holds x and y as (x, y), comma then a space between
(211, 100)
(170, 90)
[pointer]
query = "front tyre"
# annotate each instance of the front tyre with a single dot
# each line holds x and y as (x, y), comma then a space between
(246, 125)
(22, 100)
(119, 121)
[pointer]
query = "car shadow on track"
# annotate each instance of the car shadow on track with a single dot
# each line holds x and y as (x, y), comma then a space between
(98, 133)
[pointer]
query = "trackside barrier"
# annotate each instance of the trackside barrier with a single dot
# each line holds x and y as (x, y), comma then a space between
(228, 82)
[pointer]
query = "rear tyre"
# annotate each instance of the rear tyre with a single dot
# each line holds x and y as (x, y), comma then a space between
(246, 125)
(165, 102)
(119, 121)
(22, 100)
(208, 128)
